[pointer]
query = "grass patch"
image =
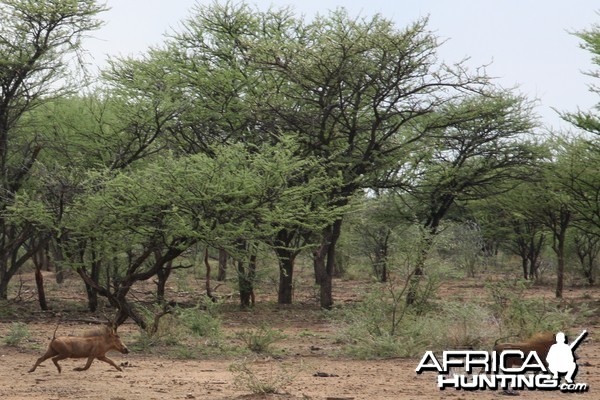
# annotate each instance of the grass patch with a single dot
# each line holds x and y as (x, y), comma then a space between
(271, 382)
(261, 339)
(382, 326)
(17, 333)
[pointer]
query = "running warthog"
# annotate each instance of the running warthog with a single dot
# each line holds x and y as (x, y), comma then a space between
(540, 343)
(94, 344)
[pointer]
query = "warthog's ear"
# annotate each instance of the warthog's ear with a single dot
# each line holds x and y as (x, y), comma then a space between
(111, 325)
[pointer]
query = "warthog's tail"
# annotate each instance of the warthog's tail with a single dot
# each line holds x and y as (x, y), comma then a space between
(504, 338)
(54, 334)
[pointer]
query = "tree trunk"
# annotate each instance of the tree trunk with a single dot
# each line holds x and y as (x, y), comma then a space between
(417, 273)
(560, 273)
(125, 310)
(59, 259)
(116, 291)
(525, 265)
(95, 277)
(319, 263)
(380, 264)
(3, 285)
(560, 233)
(39, 260)
(223, 258)
(39, 282)
(162, 275)
(13, 257)
(330, 237)
(587, 248)
(246, 282)
(286, 260)
(534, 254)
(207, 281)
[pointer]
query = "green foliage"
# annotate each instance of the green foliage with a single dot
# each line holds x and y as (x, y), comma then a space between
(17, 333)
(589, 121)
(38, 42)
(217, 200)
(379, 325)
(459, 325)
(245, 378)
(187, 333)
(452, 325)
(203, 321)
(517, 314)
(261, 339)
(249, 125)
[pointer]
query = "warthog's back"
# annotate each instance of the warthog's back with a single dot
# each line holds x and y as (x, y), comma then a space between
(540, 343)
(81, 347)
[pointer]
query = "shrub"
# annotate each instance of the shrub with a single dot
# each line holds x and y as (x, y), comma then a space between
(17, 333)
(180, 328)
(201, 323)
(260, 340)
(457, 325)
(521, 316)
(247, 379)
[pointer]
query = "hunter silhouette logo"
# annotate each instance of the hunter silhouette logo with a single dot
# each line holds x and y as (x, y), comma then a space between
(561, 358)
(498, 369)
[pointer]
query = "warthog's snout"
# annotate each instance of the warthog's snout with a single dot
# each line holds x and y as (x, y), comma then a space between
(125, 350)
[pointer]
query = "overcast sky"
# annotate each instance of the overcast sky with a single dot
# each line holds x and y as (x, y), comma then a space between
(527, 42)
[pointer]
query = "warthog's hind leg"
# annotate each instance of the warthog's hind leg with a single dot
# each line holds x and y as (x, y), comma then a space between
(49, 353)
(39, 361)
(111, 362)
(56, 359)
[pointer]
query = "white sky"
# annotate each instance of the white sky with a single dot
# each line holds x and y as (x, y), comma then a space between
(527, 41)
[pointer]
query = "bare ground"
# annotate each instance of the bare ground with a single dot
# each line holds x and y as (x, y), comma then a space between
(308, 349)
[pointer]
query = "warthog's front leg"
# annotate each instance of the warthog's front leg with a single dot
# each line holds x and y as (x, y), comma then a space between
(87, 365)
(111, 362)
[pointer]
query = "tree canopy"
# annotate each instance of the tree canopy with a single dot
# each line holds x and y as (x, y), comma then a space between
(251, 129)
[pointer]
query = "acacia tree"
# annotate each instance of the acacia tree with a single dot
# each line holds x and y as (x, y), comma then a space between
(470, 157)
(587, 248)
(507, 220)
(589, 121)
(121, 125)
(134, 222)
(354, 92)
(584, 184)
(375, 230)
(35, 38)
(553, 202)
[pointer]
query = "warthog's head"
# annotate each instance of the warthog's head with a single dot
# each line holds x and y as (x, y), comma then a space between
(116, 342)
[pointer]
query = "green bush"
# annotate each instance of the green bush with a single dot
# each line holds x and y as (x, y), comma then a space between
(201, 323)
(455, 325)
(181, 329)
(518, 315)
(451, 325)
(17, 333)
(260, 340)
(245, 378)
